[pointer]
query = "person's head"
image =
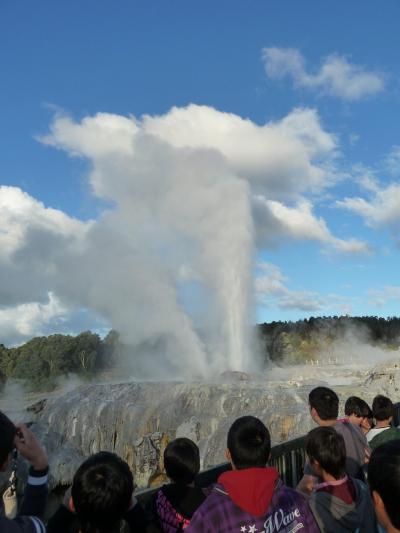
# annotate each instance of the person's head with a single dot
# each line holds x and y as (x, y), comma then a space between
(182, 461)
(324, 404)
(382, 408)
(358, 412)
(7, 437)
(249, 443)
(384, 482)
(101, 492)
(326, 452)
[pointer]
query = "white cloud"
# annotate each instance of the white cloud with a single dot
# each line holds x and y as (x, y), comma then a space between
(283, 157)
(380, 297)
(392, 161)
(25, 320)
(34, 240)
(96, 137)
(272, 291)
(336, 76)
(276, 221)
(381, 208)
(20, 214)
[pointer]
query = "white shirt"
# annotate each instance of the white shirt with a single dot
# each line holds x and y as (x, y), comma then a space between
(374, 432)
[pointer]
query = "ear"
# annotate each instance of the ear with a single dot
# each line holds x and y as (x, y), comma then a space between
(316, 467)
(229, 458)
(71, 505)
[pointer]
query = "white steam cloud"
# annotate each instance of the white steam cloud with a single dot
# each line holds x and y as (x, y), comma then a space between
(184, 191)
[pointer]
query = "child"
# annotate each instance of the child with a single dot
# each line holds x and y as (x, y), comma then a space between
(101, 497)
(359, 413)
(382, 410)
(324, 410)
(340, 503)
(251, 498)
(384, 482)
(174, 505)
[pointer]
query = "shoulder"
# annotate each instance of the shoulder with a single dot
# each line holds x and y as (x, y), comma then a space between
(349, 430)
(286, 496)
(216, 499)
(386, 435)
(360, 486)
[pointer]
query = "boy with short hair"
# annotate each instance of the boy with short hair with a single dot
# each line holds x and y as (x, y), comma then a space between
(382, 410)
(359, 413)
(339, 503)
(35, 496)
(251, 497)
(101, 497)
(324, 410)
(384, 482)
(174, 505)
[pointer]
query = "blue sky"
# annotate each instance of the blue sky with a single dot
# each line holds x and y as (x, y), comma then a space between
(255, 60)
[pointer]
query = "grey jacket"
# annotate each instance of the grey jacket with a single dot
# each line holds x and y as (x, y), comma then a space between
(335, 516)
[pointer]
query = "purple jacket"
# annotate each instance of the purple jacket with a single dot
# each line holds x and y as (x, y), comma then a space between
(253, 501)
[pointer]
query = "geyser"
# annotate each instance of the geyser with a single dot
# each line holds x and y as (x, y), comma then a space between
(180, 218)
(184, 201)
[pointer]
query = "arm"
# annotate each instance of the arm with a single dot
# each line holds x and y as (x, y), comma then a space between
(35, 495)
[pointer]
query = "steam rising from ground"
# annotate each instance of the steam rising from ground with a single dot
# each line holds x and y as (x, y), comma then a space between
(190, 195)
(356, 348)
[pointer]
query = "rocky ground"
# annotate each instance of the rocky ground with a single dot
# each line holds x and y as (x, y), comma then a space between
(137, 420)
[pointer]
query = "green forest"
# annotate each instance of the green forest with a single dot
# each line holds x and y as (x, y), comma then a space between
(40, 361)
(304, 340)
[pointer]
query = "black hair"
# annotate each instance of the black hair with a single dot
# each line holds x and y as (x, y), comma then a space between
(325, 445)
(325, 401)
(357, 406)
(182, 461)
(382, 407)
(249, 443)
(101, 491)
(7, 436)
(384, 477)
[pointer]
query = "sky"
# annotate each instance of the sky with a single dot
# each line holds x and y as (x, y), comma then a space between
(171, 163)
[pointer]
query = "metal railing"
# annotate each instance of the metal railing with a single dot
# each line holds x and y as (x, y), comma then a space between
(288, 457)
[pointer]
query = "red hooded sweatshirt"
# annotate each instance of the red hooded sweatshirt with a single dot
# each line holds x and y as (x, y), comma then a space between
(250, 489)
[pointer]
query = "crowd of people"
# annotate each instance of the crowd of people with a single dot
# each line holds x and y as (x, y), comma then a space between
(351, 481)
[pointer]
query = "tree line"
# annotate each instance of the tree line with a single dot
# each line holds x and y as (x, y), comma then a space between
(41, 360)
(305, 339)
